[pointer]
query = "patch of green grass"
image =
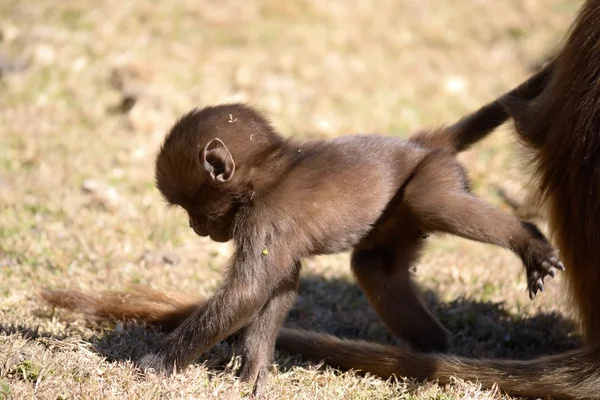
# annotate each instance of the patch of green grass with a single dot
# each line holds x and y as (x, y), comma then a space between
(517, 32)
(72, 18)
(28, 371)
(489, 289)
(5, 391)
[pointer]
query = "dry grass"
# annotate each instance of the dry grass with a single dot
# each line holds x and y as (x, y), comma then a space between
(78, 207)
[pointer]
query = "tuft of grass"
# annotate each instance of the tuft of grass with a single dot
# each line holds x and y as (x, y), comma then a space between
(27, 371)
(5, 391)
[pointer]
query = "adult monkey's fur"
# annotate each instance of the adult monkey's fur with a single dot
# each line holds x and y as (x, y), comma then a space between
(562, 127)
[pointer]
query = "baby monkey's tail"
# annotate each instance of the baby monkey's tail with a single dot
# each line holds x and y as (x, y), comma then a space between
(139, 303)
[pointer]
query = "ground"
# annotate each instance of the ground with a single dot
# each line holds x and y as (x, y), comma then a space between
(89, 88)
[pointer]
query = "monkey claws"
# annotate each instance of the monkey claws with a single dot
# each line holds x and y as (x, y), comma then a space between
(261, 383)
(154, 362)
(539, 270)
(260, 377)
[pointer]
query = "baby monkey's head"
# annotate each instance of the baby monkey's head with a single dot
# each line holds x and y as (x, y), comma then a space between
(206, 164)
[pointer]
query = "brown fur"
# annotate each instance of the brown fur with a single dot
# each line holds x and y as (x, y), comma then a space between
(573, 375)
(138, 303)
(281, 200)
(562, 128)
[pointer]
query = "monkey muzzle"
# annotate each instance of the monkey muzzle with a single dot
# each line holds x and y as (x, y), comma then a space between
(202, 228)
(198, 227)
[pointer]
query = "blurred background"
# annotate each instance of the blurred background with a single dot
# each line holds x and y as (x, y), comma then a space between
(88, 89)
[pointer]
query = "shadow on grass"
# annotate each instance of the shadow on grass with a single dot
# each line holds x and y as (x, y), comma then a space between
(338, 307)
(479, 329)
(30, 333)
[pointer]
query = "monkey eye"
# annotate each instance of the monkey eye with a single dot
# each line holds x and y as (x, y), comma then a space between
(213, 217)
(213, 214)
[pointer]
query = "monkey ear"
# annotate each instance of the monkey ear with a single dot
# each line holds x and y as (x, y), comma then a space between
(217, 160)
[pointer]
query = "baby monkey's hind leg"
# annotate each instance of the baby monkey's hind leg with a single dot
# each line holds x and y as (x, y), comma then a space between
(440, 201)
(385, 279)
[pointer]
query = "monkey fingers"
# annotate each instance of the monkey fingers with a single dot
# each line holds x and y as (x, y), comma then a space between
(541, 260)
(260, 383)
(535, 277)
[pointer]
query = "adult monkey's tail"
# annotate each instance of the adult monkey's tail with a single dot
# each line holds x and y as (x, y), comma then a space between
(571, 375)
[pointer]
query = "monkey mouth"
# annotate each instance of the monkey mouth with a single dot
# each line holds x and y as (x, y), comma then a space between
(202, 230)
(198, 230)
(217, 237)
